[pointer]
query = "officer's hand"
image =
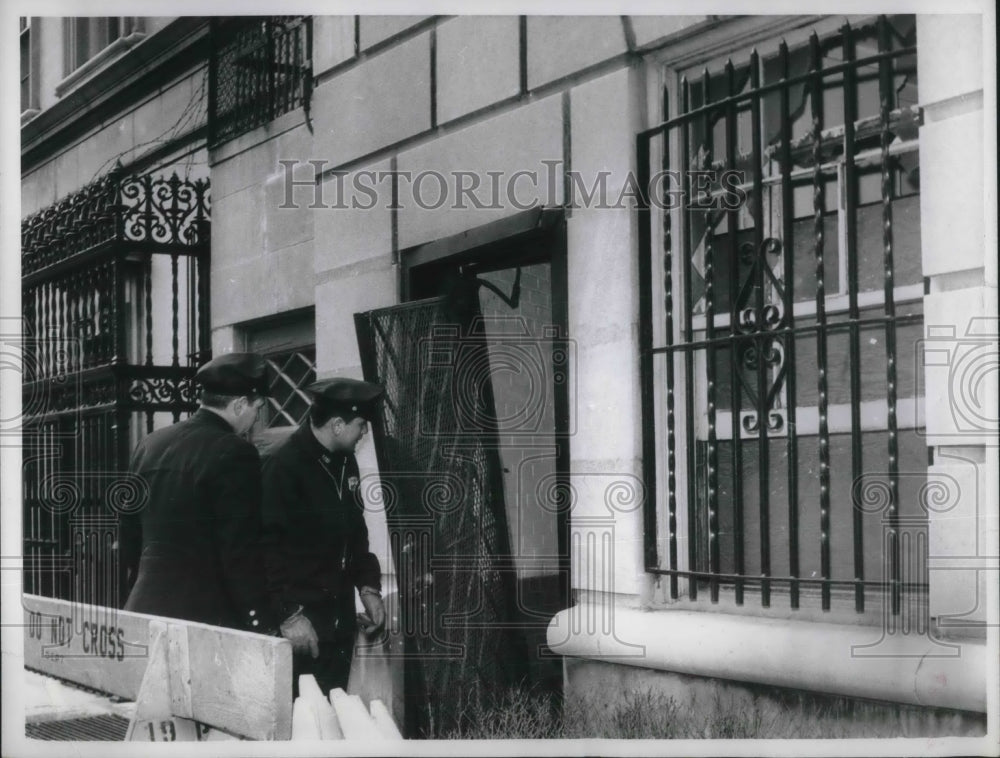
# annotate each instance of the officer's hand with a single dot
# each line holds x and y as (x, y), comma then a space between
(299, 631)
(373, 620)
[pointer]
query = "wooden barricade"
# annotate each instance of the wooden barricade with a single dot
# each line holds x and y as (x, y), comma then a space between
(189, 680)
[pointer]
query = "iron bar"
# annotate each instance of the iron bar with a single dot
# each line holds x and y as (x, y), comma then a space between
(798, 331)
(270, 52)
(850, 195)
(645, 356)
(711, 462)
(773, 579)
(147, 274)
(46, 336)
(118, 314)
(174, 321)
(213, 78)
(761, 339)
(83, 288)
(689, 408)
(816, 105)
(668, 303)
(735, 394)
(788, 253)
(885, 103)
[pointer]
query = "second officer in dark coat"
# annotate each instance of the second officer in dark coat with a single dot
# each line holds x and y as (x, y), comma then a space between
(314, 526)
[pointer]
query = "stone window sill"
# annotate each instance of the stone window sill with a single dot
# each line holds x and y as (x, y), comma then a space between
(839, 659)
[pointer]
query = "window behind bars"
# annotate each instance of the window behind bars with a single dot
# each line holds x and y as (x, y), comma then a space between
(780, 389)
(260, 68)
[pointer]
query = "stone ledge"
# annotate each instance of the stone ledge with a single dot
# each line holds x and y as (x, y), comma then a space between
(822, 657)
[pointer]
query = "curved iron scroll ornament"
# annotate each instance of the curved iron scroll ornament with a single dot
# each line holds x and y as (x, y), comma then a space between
(766, 315)
(759, 321)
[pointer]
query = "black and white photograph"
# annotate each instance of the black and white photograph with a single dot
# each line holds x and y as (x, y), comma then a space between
(596, 379)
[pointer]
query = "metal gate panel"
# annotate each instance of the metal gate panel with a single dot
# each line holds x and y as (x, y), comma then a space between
(443, 494)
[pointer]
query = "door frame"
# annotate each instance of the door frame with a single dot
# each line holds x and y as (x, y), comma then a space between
(543, 232)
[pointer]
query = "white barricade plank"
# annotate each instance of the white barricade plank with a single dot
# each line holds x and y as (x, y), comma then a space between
(100, 648)
(180, 671)
(233, 680)
(305, 725)
(249, 689)
(308, 687)
(329, 727)
(384, 721)
(355, 721)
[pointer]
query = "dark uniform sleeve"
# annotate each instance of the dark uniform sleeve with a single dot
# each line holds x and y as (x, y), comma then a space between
(365, 570)
(237, 520)
(277, 485)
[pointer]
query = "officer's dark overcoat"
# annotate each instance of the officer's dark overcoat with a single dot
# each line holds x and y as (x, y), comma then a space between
(201, 556)
(315, 530)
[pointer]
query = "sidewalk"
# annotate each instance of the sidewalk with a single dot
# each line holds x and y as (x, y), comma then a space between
(54, 709)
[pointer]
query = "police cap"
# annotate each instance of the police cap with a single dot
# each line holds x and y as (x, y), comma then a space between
(234, 374)
(341, 395)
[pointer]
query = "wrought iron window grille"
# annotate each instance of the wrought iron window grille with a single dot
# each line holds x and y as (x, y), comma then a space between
(260, 68)
(288, 373)
(775, 396)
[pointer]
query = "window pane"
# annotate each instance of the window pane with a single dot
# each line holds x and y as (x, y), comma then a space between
(905, 244)
(82, 42)
(873, 360)
(911, 481)
(25, 71)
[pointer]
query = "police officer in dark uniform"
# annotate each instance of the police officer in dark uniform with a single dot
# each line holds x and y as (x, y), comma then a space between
(201, 528)
(315, 530)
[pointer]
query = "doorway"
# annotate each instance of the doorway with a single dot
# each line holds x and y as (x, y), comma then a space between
(478, 363)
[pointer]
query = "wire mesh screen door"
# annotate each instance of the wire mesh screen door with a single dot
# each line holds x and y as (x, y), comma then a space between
(443, 495)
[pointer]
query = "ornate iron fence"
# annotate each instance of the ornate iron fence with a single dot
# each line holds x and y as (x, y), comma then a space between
(260, 68)
(115, 287)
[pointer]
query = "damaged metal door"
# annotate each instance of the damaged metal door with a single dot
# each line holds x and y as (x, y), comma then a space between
(442, 479)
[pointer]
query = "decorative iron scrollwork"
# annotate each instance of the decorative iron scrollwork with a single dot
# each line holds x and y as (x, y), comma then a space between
(760, 319)
(148, 391)
(750, 422)
(148, 208)
(165, 210)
